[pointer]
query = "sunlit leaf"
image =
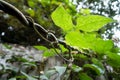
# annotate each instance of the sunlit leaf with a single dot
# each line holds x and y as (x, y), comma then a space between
(102, 46)
(30, 12)
(88, 41)
(85, 11)
(80, 40)
(41, 48)
(63, 48)
(44, 2)
(31, 3)
(62, 19)
(49, 53)
(91, 23)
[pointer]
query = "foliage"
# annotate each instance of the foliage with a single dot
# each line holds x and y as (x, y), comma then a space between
(83, 37)
(91, 56)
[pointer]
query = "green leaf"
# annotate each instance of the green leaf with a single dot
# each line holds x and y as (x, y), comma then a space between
(113, 59)
(43, 77)
(12, 79)
(63, 48)
(49, 53)
(94, 68)
(30, 64)
(91, 23)
(20, 77)
(31, 3)
(84, 76)
(102, 45)
(85, 11)
(28, 77)
(7, 46)
(49, 73)
(41, 48)
(88, 41)
(44, 2)
(62, 19)
(80, 40)
(98, 64)
(76, 68)
(31, 12)
(60, 69)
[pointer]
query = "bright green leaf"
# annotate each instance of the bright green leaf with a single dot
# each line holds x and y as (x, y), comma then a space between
(30, 12)
(85, 11)
(102, 46)
(31, 3)
(88, 41)
(91, 23)
(63, 48)
(44, 2)
(80, 40)
(49, 53)
(62, 19)
(40, 48)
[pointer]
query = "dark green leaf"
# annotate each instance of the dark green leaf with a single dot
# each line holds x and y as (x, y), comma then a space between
(28, 77)
(84, 76)
(94, 68)
(99, 64)
(113, 59)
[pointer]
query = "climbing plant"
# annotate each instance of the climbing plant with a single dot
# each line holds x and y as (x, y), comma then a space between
(85, 54)
(91, 55)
